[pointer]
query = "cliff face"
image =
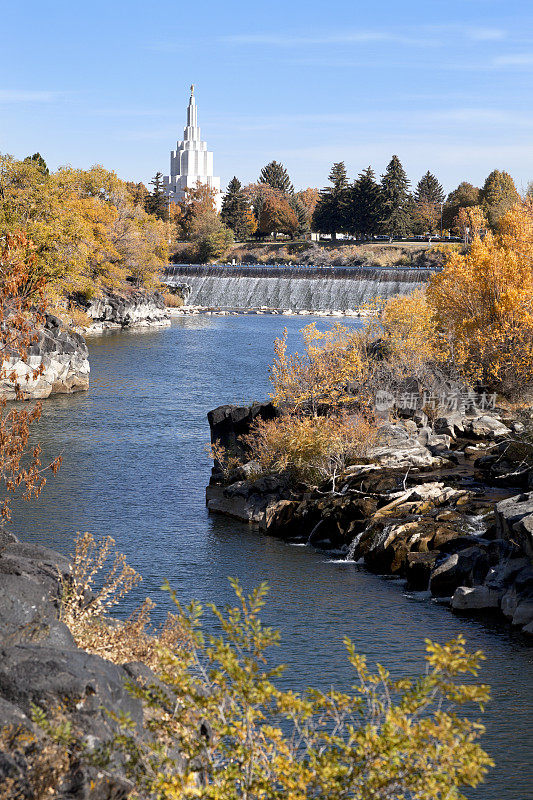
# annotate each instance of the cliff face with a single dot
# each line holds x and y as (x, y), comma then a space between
(137, 309)
(64, 359)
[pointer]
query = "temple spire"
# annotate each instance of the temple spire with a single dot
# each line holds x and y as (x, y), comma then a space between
(191, 162)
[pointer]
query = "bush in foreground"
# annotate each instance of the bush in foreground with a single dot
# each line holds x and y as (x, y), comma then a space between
(221, 727)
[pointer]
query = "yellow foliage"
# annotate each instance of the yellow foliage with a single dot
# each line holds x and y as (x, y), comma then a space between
(410, 331)
(483, 305)
(309, 449)
(332, 361)
(230, 732)
(87, 232)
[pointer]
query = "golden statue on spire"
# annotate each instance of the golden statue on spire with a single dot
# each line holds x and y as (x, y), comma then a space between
(192, 89)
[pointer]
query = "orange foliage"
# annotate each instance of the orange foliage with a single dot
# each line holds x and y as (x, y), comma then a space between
(308, 449)
(483, 305)
(21, 311)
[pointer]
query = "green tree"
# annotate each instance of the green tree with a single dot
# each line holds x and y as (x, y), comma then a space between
(365, 205)
(331, 211)
(465, 196)
(276, 176)
(498, 196)
(301, 214)
(213, 241)
(157, 201)
(429, 190)
(397, 202)
(236, 211)
(39, 162)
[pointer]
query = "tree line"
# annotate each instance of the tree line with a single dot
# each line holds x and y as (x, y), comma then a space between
(366, 206)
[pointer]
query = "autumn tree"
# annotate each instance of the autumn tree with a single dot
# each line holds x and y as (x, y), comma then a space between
(498, 196)
(276, 215)
(308, 198)
(365, 205)
(22, 309)
(464, 196)
(237, 212)
(330, 215)
(482, 302)
(88, 234)
(470, 222)
(277, 177)
(396, 207)
(157, 201)
(138, 192)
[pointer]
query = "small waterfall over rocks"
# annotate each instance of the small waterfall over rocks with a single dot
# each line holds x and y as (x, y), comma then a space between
(291, 288)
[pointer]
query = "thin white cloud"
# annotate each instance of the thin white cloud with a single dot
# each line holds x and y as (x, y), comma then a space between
(29, 96)
(485, 34)
(514, 60)
(427, 35)
(345, 37)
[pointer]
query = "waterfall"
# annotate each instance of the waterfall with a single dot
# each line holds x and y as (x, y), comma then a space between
(291, 288)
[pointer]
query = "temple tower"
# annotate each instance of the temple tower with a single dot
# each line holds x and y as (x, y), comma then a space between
(191, 161)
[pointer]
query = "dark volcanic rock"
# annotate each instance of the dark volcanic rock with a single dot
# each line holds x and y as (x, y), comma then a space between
(465, 568)
(228, 423)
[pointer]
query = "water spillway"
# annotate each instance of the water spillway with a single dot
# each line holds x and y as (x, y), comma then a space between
(291, 288)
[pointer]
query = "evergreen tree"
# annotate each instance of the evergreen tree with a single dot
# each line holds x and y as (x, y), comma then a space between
(397, 201)
(429, 190)
(464, 196)
(498, 196)
(39, 162)
(236, 212)
(301, 213)
(365, 205)
(157, 201)
(277, 176)
(428, 204)
(331, 211)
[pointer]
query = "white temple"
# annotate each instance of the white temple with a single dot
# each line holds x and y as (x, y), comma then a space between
(191, 161)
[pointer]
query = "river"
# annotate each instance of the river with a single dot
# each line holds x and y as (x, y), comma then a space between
(135, 467)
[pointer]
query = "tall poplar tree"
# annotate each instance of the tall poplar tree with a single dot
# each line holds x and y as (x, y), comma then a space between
(331, 211)
(498, 196)
(465, 196)
(365, 205)
(277, 176)
(397, 201)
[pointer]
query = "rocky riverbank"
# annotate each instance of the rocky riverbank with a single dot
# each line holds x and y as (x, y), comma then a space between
(61, 357)
(447, 506)
(41, 667)
(137, 309)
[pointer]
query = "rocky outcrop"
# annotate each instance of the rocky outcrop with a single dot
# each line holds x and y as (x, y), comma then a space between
(420, 506)
(514, 519)
(229, 423)
(61, 358)
(135, 309)
(41, 666)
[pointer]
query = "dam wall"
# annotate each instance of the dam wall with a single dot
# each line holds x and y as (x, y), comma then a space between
(291, 288)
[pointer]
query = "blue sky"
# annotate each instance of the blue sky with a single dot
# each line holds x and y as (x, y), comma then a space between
(445, 85)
